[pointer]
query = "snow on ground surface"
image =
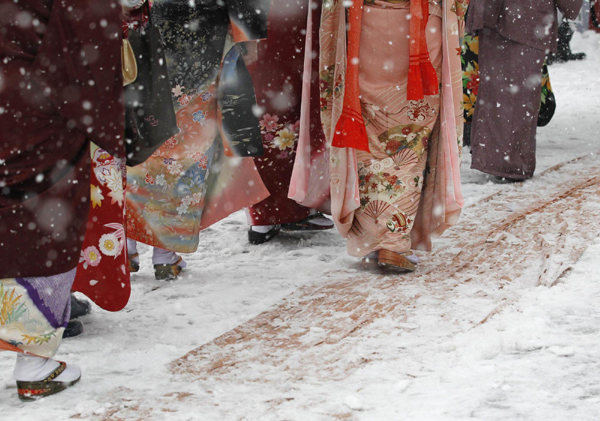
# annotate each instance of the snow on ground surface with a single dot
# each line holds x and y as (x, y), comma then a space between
(538, 357)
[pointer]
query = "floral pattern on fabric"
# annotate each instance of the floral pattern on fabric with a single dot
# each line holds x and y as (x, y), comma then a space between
(103, 272)
(391, 180)
(279, 135)
(460, 9)
(22, 325)
(470, 51)
(179, 170)
(168, 195)
(332, 86)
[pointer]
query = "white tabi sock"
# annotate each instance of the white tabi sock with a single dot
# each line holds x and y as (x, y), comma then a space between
(263, 229)
(30, 368)
(166, 257)
(132, 249)
(321, 221)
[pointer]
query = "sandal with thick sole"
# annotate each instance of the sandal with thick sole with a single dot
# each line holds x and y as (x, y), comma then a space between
(168, 272)
(32, 391)
(79, 308)
(256, 238)
(133, 266)
(74, 328)
(396, 260)
(305, 224)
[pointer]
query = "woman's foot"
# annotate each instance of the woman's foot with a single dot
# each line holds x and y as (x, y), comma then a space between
(134, 262)
(406, 262)
(74, 328)
(79, 308)
(259, 234)
(167, 264)
(133, 256)
(40, 377)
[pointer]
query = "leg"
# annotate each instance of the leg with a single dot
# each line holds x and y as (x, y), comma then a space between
(38, 310)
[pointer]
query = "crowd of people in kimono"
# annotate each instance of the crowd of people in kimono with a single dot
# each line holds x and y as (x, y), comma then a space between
(134, 121)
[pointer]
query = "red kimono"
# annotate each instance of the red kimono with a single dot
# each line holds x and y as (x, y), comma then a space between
(278, 83)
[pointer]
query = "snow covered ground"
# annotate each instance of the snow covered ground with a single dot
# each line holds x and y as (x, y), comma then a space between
(536, 358)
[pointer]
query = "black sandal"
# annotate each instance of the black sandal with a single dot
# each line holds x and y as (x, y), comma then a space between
(79, 308)
(32, 391)
(262, 237)
(305, 225)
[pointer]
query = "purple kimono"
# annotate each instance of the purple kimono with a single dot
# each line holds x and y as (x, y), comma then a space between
(514, 37)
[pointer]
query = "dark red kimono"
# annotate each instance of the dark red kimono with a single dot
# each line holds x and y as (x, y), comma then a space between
(60, 88)
(278, 82)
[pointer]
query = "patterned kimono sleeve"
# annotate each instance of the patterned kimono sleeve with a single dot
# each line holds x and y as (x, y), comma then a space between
(238, 125)
(248, 19)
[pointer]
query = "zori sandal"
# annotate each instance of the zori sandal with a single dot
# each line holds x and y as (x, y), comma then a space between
(168, 272)
(32, 391)
(133, 265)
(314, 222)
(397, 260)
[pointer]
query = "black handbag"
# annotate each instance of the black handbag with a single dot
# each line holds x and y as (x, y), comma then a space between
(547, 101)
(150, 118)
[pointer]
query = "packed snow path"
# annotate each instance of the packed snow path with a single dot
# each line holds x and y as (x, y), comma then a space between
(297, 357)
(495, 325)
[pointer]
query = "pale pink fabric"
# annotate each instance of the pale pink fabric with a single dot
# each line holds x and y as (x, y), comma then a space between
(309, 185)
(441, 196)
(391, 179)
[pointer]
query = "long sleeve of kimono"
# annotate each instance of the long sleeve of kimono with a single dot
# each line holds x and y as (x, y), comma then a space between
(248, 19)
(79, 66)
(239, 126)
(60, 89)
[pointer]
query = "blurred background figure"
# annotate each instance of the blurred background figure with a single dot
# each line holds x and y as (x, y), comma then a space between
(563, 49)
(514, 37)
(54, 102)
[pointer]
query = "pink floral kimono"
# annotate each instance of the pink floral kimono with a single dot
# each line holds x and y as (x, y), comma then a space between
(406, 188)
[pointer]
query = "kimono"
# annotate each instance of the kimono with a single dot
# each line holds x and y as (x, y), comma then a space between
(404, 186)
(193, 179)
(61, 89)
(470, 65)
(309, 185)
(514, 37)
(278, 82)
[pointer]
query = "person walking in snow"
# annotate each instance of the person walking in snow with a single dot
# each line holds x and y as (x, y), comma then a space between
(279, 93)
(514, 38)
(61, 89)
(392, 112)
(205, 172)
